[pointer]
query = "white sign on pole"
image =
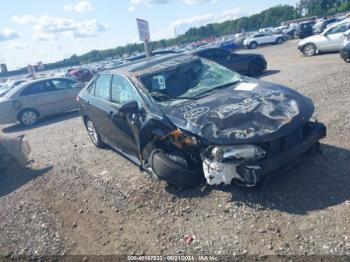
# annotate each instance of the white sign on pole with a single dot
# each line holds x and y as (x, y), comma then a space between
(143, 28)
(31, 70)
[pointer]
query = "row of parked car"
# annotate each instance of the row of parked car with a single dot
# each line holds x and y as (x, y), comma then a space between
(184, 117)
(334, 39)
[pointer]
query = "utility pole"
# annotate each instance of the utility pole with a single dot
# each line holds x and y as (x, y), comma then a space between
(147, 48)
(144, 34)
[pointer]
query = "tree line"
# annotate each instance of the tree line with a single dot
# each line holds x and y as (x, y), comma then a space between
(268, 18)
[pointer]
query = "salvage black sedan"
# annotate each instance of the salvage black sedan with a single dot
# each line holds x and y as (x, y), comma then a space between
(245, 64)
(187, 119)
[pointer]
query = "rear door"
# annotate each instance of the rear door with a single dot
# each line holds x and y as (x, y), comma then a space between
(98, 105)
(267, 39)
(39, 96)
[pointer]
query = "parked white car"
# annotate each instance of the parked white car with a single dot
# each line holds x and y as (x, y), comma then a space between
(254, 41)
(331, 40)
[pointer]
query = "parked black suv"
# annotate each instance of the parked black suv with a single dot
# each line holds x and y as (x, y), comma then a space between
(305, 30)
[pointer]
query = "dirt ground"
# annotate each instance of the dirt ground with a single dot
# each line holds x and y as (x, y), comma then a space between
(77, 199)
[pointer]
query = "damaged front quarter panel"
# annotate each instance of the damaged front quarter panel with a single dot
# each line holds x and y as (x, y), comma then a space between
(14, 150)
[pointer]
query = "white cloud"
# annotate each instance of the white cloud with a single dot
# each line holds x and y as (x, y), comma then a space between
(57, 47)
(80, 7)
(19, 45)
(23, 19)
(50, 28)
(182, 25)
(196, 2)
(149, 3)
(8, 34)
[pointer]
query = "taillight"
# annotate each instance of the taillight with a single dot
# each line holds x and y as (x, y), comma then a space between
(78, 99)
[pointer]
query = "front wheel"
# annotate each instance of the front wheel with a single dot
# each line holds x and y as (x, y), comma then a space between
(173, 169)
(94, 136)
(253, 45)
(309, 50)
(28, 117)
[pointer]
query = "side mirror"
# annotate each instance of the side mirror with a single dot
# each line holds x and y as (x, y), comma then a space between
(130, 108)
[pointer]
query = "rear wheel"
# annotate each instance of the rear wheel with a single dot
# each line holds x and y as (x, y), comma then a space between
(28, 117)
(309, 50)
(279, 41)
(255, 68)
(253, 45)
(94, 136)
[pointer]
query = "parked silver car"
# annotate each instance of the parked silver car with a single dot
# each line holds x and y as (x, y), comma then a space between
(32, 100)
(331, 40)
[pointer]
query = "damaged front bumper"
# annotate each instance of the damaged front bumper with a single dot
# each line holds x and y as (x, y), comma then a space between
(14, 150)
(250, 173)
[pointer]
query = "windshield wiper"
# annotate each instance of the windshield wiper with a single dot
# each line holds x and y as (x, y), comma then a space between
(209, 92)
(225, 85)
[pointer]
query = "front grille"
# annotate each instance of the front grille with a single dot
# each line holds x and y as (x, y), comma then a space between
(287, 142)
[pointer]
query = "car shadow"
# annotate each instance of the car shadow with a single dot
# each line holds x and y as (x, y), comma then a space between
(15, 177)
(43, 122)
(268, 73)
(319, 182)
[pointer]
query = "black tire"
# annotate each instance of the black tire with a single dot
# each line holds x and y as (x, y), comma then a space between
(28, 117)
(93, 134)
(172, 172)
(309, 50)
(253, 45)
(279, 41)
(255, 68)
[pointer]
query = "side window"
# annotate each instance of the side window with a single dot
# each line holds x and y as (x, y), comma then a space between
(123, 91)
(221, 54)
(102, 87)
(338, 29)
(207, 54)
(61, 85)
(38, 88)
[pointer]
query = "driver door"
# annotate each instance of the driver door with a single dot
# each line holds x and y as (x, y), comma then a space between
(122, 126)
(334, 38)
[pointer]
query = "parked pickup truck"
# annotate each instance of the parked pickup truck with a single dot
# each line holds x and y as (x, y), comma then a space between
(254, 41)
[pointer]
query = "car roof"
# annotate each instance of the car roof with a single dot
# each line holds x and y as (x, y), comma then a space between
(347, 20)
(152, 64)
(33, 81)
(208, 49)
(18, 88)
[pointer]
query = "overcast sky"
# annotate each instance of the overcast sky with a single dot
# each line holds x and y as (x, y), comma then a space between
(47, 31)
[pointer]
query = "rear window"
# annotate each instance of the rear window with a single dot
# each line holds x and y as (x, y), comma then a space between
(38, 88)
(102, 87)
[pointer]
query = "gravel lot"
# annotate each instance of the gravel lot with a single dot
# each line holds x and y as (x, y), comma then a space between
(76, 199)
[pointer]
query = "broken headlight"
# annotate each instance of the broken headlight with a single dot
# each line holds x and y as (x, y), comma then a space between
(239, 152)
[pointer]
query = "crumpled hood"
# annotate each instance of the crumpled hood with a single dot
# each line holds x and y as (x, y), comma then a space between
(251, 111)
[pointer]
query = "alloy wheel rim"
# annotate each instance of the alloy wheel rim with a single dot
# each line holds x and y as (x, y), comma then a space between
(309, 50)
(92, 132)
(29, 118)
